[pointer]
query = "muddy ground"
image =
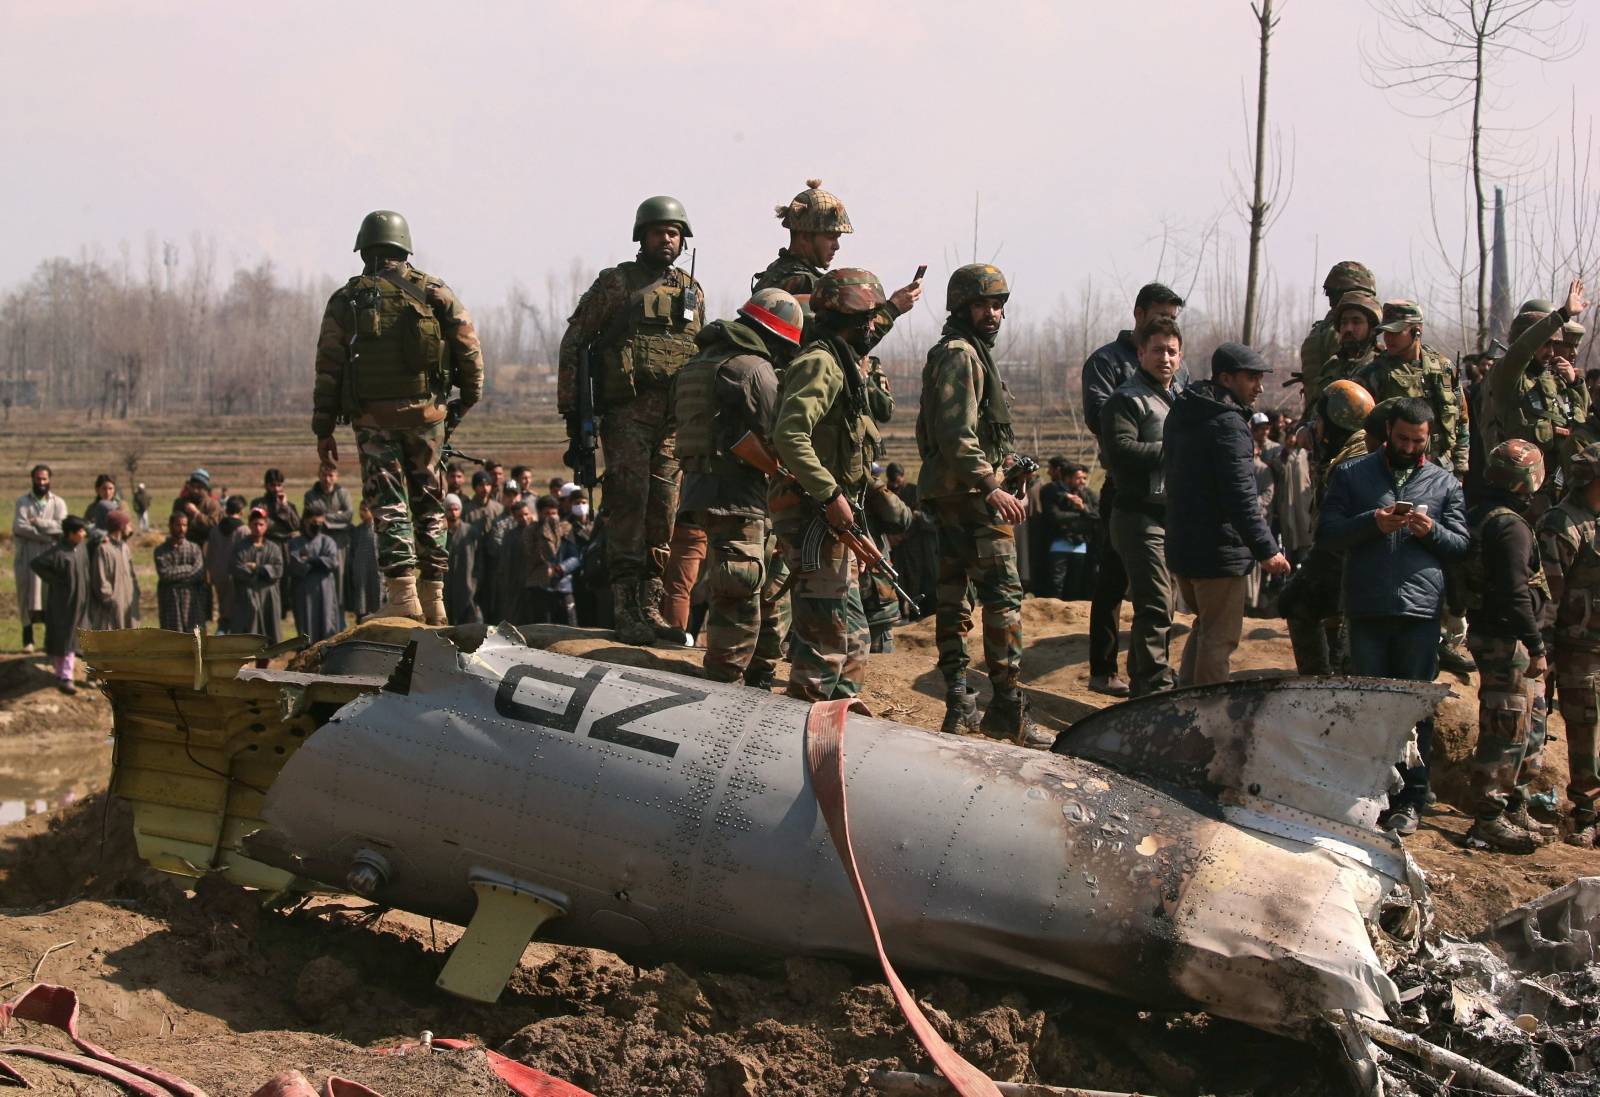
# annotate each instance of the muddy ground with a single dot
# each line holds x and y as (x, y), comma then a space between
(214, 988)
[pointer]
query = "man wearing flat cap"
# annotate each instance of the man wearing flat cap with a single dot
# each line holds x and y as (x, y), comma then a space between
(1216, 531)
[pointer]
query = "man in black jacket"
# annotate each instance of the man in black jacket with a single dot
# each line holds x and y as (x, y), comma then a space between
(1398, 518)
(1069, 514)
(1107, 368)
(1216, 532)
(1506, 597)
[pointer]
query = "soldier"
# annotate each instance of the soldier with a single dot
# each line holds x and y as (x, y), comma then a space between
(1570, 548)
(1356, 318)
(965, 439)
(638, 320)
(820, 436)
(394, 342)
(1408, 368)
(1324, 339)
(1521, 394)
(729, 390)
(1506, 596)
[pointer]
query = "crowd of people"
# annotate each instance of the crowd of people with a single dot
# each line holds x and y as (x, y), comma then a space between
(1409, 515)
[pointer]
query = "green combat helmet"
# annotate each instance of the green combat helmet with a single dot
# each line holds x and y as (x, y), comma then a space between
(1516, 464)
(655, 211)
(384, 227)
(1400, 315)
(1347, 276)
(1362, 301)
(1347, 404)
(973, 281)
(775, 311)
(1583, 467)
(1541, 305)
(814, 210)
(1572, 333)
(849, 291)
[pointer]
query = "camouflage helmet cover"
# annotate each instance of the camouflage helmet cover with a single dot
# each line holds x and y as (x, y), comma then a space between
(814, 210)
(973, 281)
(1400, 315)
(848, 291)
(384, 227)
(663, 208)
(1515, 465)
(1347, 404)
(1350, 275)
(1583, 467)
(776, 311)
(1362, 301)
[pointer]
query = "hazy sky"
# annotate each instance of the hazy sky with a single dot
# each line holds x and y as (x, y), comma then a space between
(518, 137)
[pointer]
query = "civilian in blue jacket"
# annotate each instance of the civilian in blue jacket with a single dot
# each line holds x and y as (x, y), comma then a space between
(1216, 532)
(1398, 518)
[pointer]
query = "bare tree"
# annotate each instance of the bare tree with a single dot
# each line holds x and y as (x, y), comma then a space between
(1260, 203)
(1448, 53)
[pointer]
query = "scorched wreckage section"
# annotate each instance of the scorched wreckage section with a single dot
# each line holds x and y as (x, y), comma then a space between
(1212, 847)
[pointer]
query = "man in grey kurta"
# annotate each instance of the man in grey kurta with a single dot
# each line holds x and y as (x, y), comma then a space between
(313, 561)
(463, 539)
(113, 587)
(338, 514)
(257, 569)
(183, 600)
(35, 530)
(363, 582)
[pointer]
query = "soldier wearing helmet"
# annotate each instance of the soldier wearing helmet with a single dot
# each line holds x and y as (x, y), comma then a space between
(965, 438)
(820, 434)
(1522, 395)
(725, 392)
(1310, 599)
(1505, 594)
(1323, 340)
(1569, 545)
(637, 324)
(394, 342)
(1355, 321)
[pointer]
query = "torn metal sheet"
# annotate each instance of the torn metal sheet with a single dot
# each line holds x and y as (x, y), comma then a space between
(655, 814)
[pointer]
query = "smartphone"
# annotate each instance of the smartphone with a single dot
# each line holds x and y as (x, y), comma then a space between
(1402, 508)
(1422, 509)
(920, 272)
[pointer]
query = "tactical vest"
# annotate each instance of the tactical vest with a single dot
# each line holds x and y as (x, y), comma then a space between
(1538, 411)
(840, 437)
(648, 340)
(1578, 615)
(995, 435)
(397, 350)
(695, 411)
(1474, 574)
(1426, 379)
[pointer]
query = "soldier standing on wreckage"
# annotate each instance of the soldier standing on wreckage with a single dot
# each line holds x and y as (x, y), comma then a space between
(815, 220)
(1506, 597)
(394, 342)
(965, 439)
(638, 321)
(1569, 545)
(820, 435)
(729, 390)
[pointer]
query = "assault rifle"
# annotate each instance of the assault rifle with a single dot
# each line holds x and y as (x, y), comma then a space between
(583, 429)
(754, 452)
(1018, 473)
(448, 453)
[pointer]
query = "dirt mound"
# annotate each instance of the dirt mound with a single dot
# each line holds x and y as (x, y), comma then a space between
(85, 850)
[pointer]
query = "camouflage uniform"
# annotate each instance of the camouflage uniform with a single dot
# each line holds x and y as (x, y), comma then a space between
(821, 437)
(1429, 377)
(632, 317)
(1570, 548)
(733, 390)
(1321, 343)
(1523, 404)
(398, 439)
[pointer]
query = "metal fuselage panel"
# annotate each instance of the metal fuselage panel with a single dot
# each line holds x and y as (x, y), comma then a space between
(675, 816)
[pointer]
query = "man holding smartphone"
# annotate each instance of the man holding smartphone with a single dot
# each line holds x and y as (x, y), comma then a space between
(1399, 518)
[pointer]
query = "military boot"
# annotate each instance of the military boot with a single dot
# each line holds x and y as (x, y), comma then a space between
(651, 591)
(1585, 833)
(430, 592)
(760, 677)
(1500, 833)
(631, 628)
(400, 597)
(960, 710)
(1007, 717)
(1455, 658)
(1517, 814)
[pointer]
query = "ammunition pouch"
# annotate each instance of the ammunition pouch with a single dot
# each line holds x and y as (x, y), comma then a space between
(397, 348)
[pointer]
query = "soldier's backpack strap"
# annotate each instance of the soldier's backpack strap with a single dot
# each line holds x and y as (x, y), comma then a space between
(410, 289)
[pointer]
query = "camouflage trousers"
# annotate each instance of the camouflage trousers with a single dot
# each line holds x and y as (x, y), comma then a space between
(976, 549)
(1502, 761)
(400, 483)
(828, 645)
(1578, 692)
(735, 548)
(775, 611)
(641, 493)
